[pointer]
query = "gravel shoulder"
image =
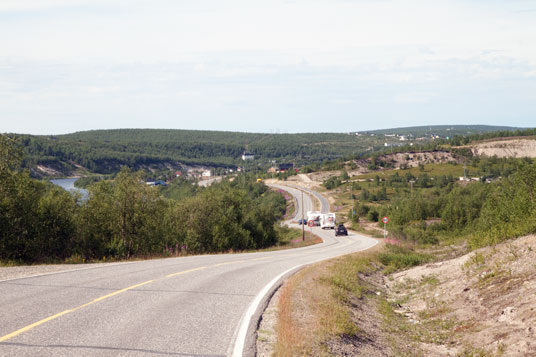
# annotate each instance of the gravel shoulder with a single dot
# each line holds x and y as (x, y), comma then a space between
(26, 271)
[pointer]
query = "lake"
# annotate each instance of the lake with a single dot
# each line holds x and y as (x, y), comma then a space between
(68, 184)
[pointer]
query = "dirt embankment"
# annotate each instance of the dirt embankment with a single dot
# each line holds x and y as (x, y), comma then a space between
(482, 303)
(479, 304)
(390, 161)
(510, 148)
(413, 159)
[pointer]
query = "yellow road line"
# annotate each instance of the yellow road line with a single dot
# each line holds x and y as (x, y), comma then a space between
(185, 271)
(53, 317)
(227, 263)
(50, 318)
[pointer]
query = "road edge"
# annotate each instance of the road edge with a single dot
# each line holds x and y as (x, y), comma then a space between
(245, 341)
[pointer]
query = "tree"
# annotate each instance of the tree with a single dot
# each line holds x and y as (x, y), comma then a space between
(10, 154)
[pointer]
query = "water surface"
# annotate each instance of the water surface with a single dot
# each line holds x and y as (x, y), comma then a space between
(68, 184)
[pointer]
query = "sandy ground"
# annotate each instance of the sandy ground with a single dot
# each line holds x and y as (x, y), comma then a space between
(266, 334)
(489, 297)
(507, 148)
(414, 159)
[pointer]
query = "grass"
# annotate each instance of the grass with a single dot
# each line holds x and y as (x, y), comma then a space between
(292, 238)
(330, 292)
(289, 336)
(481, 352)
(335, 284)
(430, 169)
(9, 263)
(398, 329)
(398, 257)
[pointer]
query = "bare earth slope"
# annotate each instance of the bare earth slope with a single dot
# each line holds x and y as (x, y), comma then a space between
(487, 298)
(514, 147)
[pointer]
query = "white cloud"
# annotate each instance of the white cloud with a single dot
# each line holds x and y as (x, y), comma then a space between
(413, 97)
(290, 59)
(39, 5)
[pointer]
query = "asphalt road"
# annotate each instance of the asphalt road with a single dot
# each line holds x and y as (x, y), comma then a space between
(191, 306)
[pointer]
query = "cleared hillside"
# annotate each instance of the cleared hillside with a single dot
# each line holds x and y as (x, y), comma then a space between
(506, 148)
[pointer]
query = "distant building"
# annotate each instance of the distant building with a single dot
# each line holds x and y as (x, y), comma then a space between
(194, 173)
(285, 167)
(206, 173)
(156, 183)
(178, 174)
(247, 156)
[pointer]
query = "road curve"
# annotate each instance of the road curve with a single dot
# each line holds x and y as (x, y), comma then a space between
(191, 306)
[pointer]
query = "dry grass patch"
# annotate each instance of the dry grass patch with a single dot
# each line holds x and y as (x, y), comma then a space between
(331, 308)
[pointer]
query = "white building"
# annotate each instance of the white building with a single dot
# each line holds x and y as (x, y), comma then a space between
(247, 156)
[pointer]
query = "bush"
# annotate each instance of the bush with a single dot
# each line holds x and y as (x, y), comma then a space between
(398, 257)
(372, 215)
(420, 233)
(332, 182)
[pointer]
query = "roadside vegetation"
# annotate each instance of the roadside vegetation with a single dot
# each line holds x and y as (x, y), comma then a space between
(430, 204)
(354, 308)
(125, 218)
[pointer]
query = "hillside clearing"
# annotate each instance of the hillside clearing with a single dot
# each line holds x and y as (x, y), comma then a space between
(512, 147)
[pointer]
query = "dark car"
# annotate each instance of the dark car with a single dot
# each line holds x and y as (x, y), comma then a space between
(341, 231)
(300, 221)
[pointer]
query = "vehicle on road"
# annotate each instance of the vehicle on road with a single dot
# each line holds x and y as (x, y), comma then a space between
(341, 230)
(302, 221)
(327, 221)
(315, 217)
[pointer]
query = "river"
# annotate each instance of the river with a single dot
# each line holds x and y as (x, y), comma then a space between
(68, 184)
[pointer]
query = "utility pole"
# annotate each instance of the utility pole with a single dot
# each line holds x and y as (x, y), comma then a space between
(302, 223)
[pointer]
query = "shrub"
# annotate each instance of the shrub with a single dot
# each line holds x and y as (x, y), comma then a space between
(399, 257)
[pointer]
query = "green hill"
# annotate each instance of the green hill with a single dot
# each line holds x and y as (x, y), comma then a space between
(105, 151)
(444, 130)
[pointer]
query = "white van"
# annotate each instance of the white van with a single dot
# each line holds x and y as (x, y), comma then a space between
(327, 221)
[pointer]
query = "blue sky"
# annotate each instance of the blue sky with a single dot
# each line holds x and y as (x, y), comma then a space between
(265, 66)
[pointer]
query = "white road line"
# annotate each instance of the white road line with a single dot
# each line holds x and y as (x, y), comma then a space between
(240, 342)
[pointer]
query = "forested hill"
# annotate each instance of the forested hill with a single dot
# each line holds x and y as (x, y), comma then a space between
(105, 151)
(444, 130)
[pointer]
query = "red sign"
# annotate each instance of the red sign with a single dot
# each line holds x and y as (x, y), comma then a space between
(385, 220)
(311, 223)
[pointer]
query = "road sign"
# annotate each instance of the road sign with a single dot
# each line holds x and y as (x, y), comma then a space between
(311, 223)
(385, 220)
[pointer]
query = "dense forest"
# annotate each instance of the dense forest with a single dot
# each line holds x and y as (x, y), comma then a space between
(124, 217)
(105, 151)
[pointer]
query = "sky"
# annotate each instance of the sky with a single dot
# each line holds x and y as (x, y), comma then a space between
(272, 66)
